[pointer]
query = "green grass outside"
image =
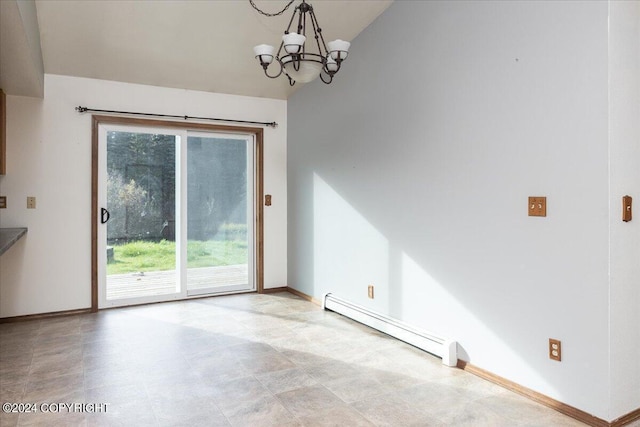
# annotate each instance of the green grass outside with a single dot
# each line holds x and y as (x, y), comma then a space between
(138, 256)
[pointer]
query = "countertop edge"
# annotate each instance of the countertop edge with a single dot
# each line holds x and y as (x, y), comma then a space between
(9, 236)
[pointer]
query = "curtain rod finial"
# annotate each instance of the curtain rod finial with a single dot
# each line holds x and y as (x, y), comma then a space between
(81, 109)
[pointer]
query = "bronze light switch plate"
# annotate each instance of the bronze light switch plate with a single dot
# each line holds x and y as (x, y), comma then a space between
(537, 206)
(3, 202)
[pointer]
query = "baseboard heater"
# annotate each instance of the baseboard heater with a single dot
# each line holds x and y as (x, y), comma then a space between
(443, 348)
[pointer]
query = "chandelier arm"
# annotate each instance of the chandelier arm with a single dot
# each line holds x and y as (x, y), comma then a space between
(264, 67)
(301, 15)
(293, 15)
(326, 81)
(318, 34)
(271, 14)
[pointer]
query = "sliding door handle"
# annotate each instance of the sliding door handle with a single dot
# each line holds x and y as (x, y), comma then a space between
(104, 216)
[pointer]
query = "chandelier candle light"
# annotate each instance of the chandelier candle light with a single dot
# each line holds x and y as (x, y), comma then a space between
(299, 62)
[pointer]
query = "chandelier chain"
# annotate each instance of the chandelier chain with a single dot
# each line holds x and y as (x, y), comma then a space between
(271, 14)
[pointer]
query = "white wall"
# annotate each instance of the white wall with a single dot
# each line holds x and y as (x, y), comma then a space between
(624, 121)
(412, 170)
(49, 156)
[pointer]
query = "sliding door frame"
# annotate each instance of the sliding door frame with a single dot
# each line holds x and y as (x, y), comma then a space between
(258, 229)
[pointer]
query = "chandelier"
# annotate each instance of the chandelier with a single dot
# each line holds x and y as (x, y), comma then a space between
(300, 58)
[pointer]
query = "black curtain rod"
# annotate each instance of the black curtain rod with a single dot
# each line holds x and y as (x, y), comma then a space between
(81, 109)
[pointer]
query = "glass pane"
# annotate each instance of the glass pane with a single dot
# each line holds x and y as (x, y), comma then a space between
(218, 239)
(141, 199)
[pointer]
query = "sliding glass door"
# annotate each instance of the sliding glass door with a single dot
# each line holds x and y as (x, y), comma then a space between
(219, 212)
(176, 214)
(140, 214)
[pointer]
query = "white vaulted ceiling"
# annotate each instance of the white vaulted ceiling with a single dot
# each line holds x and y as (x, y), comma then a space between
(200, 45)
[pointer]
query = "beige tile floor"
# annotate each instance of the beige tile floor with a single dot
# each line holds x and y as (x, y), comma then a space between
(242, 360)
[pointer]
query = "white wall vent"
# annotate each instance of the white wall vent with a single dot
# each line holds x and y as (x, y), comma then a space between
(443, 348)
